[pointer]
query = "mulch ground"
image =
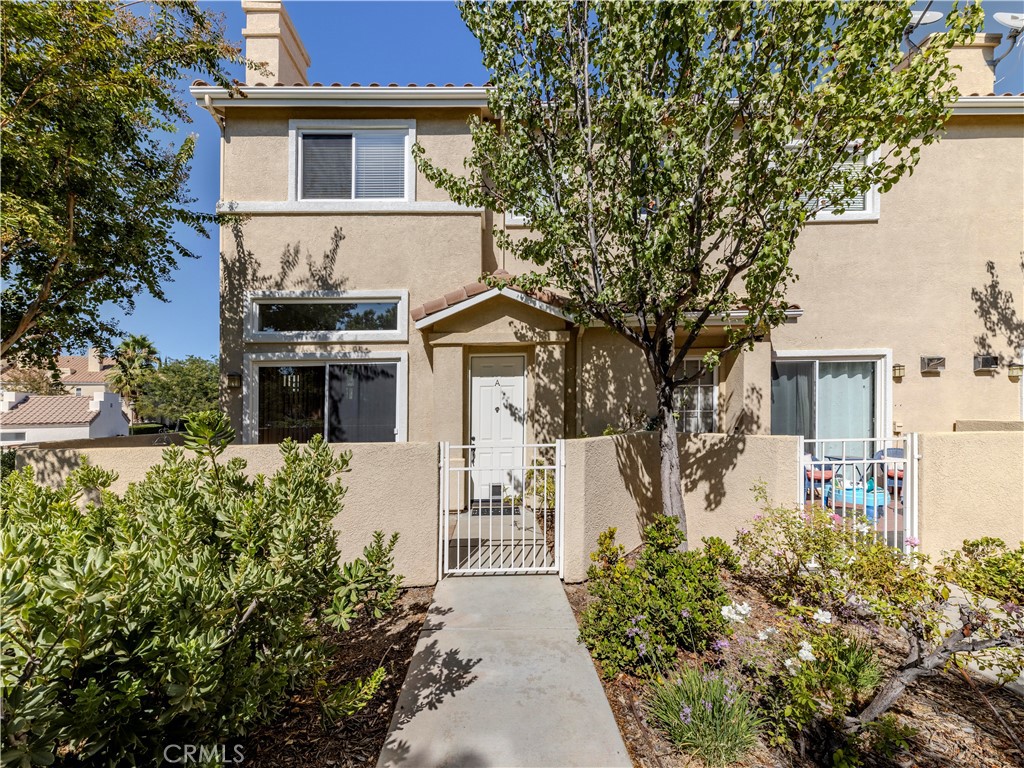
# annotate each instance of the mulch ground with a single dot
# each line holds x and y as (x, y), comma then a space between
(300, 738)
(955, 725)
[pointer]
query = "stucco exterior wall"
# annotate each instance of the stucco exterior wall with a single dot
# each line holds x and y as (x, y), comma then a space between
(375, 501)
(613, 482)
(988, 426)
(255, 147)
(47, 434)
(918, 281)
(971, 484)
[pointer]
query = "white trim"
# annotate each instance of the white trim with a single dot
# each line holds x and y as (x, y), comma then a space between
(511, 293)
(516, 220)
(296, 128)
(411, 207)
(713, 322)
(467, 97)
(883, 379)
(716, 413)
(252, 361)
(253, 299)
(872, 199)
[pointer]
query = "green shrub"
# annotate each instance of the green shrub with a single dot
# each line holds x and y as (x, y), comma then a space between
(985, 566)
(178, 612)
(667, 600)
(721, 554)
(705, 714)
(6, 462)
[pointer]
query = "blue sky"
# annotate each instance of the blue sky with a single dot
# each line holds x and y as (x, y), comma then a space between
(403, 42)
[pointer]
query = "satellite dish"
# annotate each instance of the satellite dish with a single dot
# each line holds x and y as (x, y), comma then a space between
(917, 18)
(1014, 21)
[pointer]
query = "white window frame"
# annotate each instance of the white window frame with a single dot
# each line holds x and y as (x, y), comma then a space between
(714, 398)
(252, 334)
(872, 199)
(882, 358)
(513, 219)
(296, 129)
(253, 361)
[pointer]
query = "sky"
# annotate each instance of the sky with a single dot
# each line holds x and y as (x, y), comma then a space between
(358, 42)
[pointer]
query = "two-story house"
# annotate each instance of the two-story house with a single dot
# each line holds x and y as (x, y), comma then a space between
(351, 304)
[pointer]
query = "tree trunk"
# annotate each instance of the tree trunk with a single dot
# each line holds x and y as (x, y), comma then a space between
(671, 477)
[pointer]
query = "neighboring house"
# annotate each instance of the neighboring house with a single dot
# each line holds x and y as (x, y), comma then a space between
(47, 418)
(79, 374)
(395, 338)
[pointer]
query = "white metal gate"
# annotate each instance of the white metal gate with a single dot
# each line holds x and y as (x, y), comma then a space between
(500, 517)
(872, 478)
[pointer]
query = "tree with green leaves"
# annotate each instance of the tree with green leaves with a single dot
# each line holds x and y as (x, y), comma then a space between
(34, 381)
(92, 189)
(667, 155)
(179, 388)
(134, 363)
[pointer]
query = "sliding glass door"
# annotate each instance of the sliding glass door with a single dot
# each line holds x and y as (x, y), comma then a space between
(346, 402)
(825, 399)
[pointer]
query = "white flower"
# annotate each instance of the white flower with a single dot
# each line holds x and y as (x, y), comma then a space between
(805, 652)
(862, 528)
(823, 617)
(792, 666)
(737, 612)
(764, 634)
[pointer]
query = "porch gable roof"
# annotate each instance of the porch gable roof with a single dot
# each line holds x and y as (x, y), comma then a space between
(468, 296)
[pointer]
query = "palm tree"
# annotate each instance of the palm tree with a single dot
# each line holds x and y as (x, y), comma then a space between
(134, 359)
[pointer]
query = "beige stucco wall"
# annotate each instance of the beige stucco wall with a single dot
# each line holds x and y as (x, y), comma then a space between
(971, 484)
(982, 425)
(916, 281)
(375, 501)
(613, 482)
(255, 147)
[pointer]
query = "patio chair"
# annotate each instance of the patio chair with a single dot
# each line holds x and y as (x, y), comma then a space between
(816, 476)
(893, 474)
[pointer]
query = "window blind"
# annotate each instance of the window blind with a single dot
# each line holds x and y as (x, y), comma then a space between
(380, 165)
(856, 203)
(327, 166)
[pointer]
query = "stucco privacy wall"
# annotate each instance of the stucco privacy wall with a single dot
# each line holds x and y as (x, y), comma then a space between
(375, 499)
(971, 484)
(612, 482)
(988, 426)
(918, 280)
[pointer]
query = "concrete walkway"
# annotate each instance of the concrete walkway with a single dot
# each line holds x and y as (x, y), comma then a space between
(498, 679)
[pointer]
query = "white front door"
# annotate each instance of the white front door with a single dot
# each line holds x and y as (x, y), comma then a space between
(497, 424)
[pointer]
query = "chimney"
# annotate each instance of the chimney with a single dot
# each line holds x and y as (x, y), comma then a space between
(95, 360)
(977, 73)
(271, 38)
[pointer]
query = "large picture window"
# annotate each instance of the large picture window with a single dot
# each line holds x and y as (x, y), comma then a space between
(347, 402)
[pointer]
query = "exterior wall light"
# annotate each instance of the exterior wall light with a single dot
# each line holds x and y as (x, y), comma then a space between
(899, 370)
(234, 380)
(1015, 370)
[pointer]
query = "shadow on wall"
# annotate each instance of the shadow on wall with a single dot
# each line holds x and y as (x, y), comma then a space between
(621, 402)
(999, 316)
(52, 466)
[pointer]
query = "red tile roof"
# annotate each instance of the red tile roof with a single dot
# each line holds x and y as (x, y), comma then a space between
(204, 84)
(466, 292)
(49, 409)
(78, 365)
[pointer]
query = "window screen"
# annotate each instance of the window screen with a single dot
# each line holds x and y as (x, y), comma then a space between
(363, 165)
(326, 166)
(363, 403)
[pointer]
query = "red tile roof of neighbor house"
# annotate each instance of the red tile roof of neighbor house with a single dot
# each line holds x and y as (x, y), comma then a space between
(49, 409)
(78, 365)
(475, 289)
(204, 84)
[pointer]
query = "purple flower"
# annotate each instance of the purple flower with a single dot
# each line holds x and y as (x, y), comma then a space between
(632, 632)
(1012, 608)
(638, 618)
(641, 648)
(707, 705)
(742, 531)
(913, 541)
(720, 645)
(684, 614)
(685, 715)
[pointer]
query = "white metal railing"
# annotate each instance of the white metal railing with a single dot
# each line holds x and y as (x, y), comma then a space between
(500, 509)
(871, 477)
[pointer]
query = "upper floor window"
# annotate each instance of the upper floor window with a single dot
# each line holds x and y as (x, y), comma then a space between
(328, 316)
(863, 206)
(344, 160)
